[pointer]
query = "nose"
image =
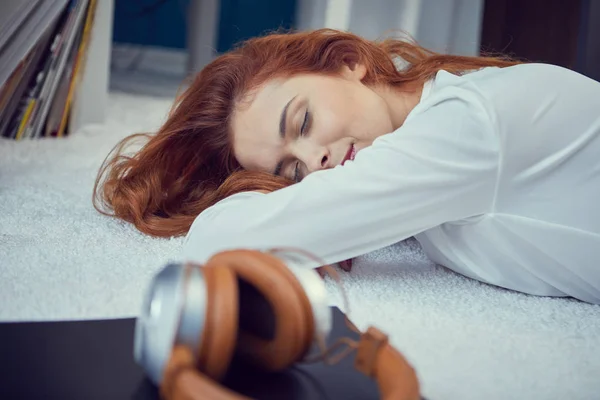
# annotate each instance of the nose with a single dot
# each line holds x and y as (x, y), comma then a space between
(314, 156)
(324, 160)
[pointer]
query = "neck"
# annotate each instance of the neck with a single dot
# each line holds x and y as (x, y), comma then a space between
(400, 101)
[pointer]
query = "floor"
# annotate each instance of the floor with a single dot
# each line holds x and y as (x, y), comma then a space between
(60, 259)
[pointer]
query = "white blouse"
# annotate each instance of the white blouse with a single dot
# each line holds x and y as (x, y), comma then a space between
(496, 173)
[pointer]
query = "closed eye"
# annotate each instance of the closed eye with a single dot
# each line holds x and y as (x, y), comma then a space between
(297, 172)
(303, 129)
(304, 123)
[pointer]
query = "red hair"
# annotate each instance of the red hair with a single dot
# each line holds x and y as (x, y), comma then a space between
(188, 165)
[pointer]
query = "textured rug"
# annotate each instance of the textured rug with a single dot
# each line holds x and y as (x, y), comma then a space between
(60, 259)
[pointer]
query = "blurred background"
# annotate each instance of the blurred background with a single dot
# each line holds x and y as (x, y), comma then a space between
(156, 43)
(61, 60)
(97, 71)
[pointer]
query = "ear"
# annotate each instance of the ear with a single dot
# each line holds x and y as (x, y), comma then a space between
(354, 71)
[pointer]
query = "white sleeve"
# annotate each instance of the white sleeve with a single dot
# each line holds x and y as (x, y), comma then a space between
(440, 166)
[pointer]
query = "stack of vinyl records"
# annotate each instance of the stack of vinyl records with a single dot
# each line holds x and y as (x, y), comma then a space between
(42, 53)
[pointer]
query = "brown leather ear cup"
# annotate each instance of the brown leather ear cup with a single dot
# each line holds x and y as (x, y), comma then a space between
(218, 338)
(183, 382)
(294, 329)
(377, 359)
(294, 321)
(395, 377)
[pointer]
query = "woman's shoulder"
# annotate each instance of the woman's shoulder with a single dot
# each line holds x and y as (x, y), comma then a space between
(523, 69)
(531, 73)
(508, 90)
(514, 79)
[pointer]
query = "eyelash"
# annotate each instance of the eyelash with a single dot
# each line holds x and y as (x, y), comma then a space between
(302, 132)
(304, 123)
(297, 172)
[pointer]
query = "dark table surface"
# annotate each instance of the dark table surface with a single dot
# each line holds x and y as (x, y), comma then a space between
(93, 359)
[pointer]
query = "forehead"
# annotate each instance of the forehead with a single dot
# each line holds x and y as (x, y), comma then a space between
(263, 98)
(271, 97)
(255, 124)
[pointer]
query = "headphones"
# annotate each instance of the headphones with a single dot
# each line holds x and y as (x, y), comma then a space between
(248, 303)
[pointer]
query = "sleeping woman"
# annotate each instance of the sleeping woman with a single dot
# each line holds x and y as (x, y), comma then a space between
(339, 146)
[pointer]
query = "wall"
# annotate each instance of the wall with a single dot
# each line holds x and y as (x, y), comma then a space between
(150, 22)
(242, 19)
(588, 61)
(449, 26)
(163, 23)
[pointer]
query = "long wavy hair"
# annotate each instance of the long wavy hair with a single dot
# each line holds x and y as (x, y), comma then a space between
(188, 165)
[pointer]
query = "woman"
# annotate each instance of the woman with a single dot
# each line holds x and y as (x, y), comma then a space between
(492, 165)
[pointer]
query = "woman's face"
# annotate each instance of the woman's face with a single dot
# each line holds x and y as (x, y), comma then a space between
(294, 126)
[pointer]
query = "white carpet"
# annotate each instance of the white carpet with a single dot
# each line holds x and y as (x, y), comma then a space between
(60, 259)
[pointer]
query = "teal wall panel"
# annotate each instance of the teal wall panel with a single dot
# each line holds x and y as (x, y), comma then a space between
(163, 22)
(242, 19)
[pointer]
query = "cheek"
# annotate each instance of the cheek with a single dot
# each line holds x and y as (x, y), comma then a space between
(366, 123)
(365, 115)
(343, 123)
(354, 113)
(376, 120)
(329, 126)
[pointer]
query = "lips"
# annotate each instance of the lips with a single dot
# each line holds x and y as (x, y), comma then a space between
(349, 155)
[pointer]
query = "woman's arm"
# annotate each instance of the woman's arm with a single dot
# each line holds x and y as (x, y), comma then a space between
(440, 166)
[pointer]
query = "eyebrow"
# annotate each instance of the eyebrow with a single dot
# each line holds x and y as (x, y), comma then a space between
(282, 129)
